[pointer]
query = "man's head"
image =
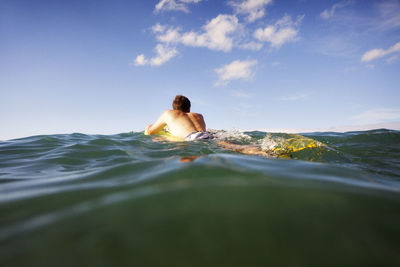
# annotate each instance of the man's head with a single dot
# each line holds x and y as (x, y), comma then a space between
(181, 103)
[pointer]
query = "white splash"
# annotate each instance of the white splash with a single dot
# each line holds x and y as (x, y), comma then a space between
(231, 135)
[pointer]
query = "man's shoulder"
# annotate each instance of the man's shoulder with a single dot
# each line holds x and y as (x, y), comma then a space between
(172, 113)
(196, 114)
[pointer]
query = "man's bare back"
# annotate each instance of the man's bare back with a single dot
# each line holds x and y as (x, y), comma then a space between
(179, 123)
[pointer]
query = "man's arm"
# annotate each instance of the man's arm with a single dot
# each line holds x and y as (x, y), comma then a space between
(158, 125)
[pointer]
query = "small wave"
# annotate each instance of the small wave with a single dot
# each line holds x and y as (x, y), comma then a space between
(231, 135)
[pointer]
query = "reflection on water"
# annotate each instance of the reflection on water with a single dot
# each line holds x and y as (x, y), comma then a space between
(189, 158)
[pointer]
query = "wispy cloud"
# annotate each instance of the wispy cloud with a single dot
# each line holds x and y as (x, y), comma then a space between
(379, 53)
(384, 16)
(343, 44)
(174, 5)
(350, 27)
(389, 16)
(215, 35)
(392, 59)
(329, 12)
(235, 70)
(377, 115)
(283, 31)
(158, 28)
(164, 54)
(253, 9)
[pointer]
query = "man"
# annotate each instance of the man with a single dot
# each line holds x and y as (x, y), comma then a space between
(181, 122)
(191, 126)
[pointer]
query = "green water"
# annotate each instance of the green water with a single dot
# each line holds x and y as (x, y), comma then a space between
(128, 200)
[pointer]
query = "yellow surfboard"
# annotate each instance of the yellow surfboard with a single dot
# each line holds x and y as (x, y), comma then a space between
(289, 143)
(166, 135)
(281, 146)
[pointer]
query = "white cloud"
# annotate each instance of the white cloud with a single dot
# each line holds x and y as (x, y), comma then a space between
(378, 53)
(235, 70)
(254, 46)
(254, 9)
(215, 35)
(140, 60)
(169, 36)
(283, 31)
(158, 28)
(174, 5)
(164, 54)
(329, 12)
(377, 115)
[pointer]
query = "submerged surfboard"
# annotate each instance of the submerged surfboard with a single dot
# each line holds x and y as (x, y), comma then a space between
(283, 145)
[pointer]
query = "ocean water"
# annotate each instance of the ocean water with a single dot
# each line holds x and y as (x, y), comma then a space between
(135, 200)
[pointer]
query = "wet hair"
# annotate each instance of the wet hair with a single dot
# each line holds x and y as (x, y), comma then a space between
(181, 103)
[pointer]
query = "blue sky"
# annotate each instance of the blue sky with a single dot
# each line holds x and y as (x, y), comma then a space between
(114, 66)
